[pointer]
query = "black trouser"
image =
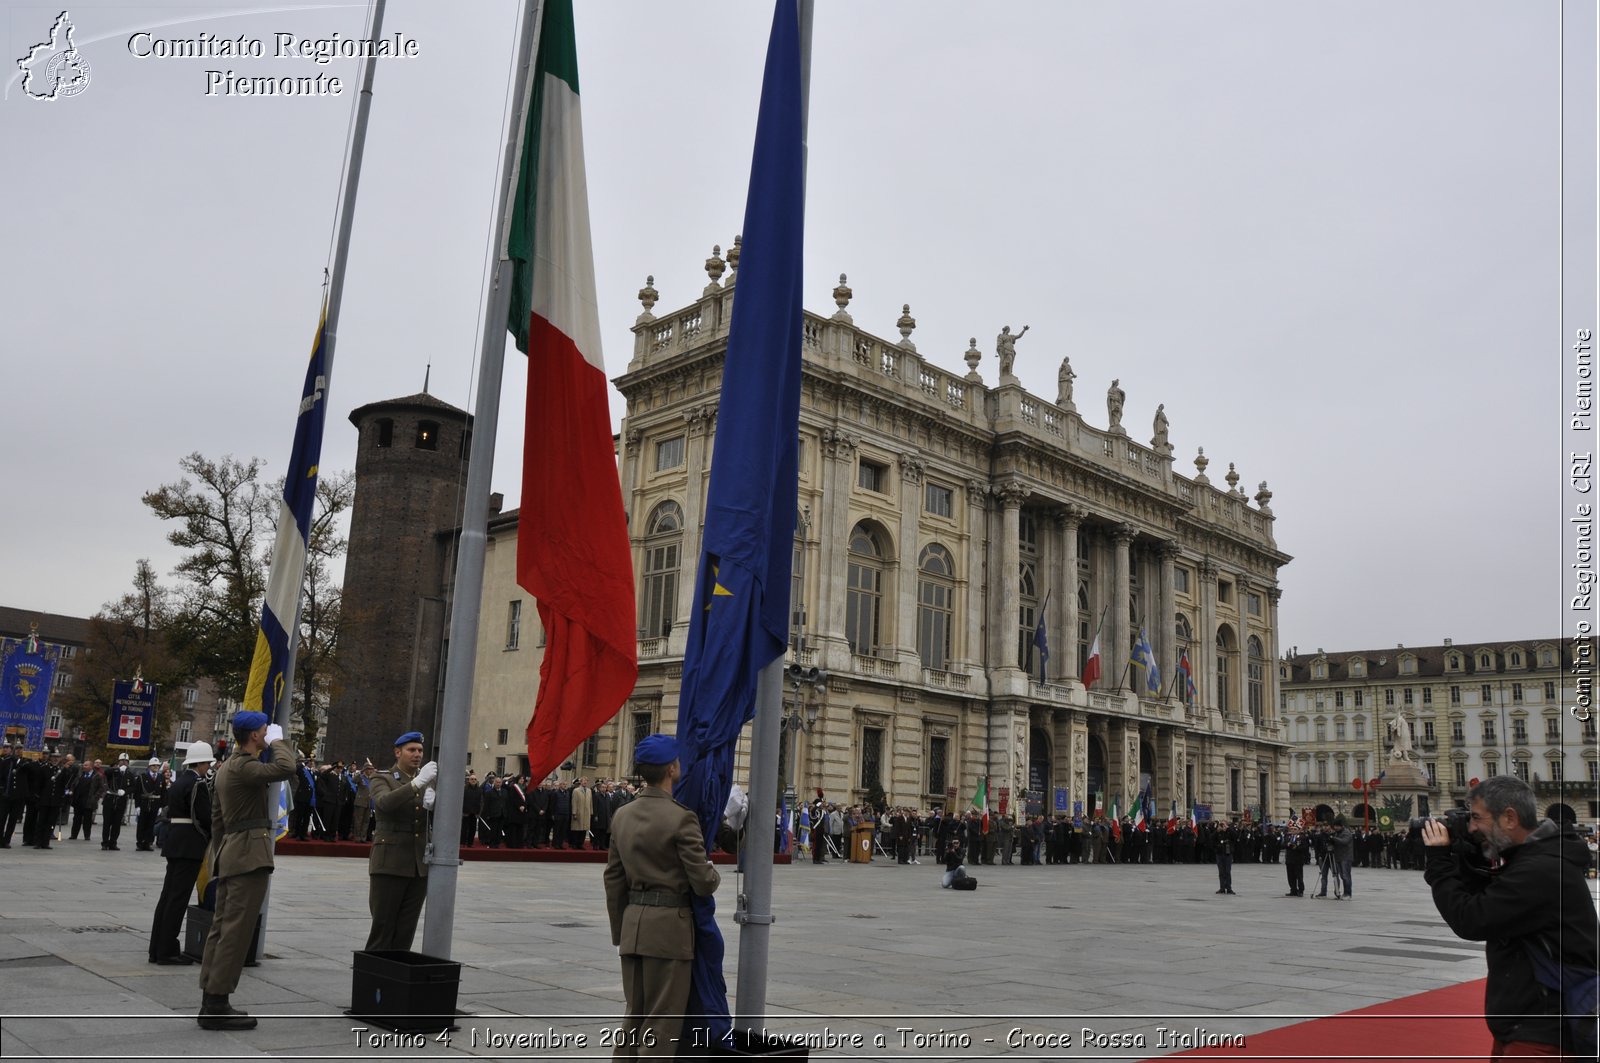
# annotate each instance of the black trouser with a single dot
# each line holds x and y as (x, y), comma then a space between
(111, 820)
(469, 827)
(1297, 878)
(176, 889)
(491, 833)
(12, 810)
(299, 822)
(144, 828)
(37, 823)
(1225, 871)
(83, 819)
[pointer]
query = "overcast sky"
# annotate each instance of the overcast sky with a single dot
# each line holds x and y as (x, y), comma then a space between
(1324, 235)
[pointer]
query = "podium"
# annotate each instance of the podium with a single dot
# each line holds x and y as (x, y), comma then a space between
(861, 842)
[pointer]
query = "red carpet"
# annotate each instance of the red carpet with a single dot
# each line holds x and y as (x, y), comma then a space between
(290, 847)
(1440, 1024)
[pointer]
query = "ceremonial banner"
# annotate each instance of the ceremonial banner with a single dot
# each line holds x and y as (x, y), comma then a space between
(133, 716)
(26, 676)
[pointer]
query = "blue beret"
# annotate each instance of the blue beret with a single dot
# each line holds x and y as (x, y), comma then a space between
(657, 749)
(250, 721)
(409, 736)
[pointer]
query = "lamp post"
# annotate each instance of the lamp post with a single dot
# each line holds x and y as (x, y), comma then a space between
(799, 715)
(1369, 790)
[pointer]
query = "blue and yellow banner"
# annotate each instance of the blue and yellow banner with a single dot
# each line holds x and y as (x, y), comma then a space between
(26, 678)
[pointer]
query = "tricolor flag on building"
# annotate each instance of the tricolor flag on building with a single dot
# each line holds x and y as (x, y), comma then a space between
(1185, 679)
(1091, 667)
(980, 801)
(572, 536)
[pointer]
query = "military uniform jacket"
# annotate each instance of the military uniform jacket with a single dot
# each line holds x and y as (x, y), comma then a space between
(189, 794)
(400, 841)
(16, 779)
(241, 825)
(656, 847)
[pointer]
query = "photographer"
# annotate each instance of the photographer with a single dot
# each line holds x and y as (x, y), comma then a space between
(1527, 892)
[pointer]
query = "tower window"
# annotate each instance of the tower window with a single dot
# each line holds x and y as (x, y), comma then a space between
(427, 435)
(385, 432)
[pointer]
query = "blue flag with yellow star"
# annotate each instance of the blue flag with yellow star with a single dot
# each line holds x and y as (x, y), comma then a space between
(740, 622)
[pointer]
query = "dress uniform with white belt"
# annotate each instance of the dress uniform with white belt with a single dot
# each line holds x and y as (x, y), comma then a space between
(397, 868)
(657, 861)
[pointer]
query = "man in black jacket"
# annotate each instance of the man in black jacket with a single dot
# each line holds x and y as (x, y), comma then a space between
(1531, 894)
(149, 792)
(188, 804)
(16, 787)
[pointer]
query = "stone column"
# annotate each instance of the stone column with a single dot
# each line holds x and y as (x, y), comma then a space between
(1167, 614)
(1274, 692)
(1004, 618)
(1115, 666)
(976, 606)
(906, 586)
(839, 448)
(1206, 638)
(1241, 666)
(1065, 656)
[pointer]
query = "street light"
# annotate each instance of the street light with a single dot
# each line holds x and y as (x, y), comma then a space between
(1369, 790)
(799, 715)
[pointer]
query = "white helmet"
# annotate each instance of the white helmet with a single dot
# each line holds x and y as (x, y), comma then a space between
(199, 753)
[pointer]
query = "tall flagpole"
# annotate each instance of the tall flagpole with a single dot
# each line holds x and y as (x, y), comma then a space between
(330, 341)
(467, 596)
(754, 906)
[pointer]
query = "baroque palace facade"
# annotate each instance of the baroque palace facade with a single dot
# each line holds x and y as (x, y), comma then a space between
(1473, 710)
(939, 516)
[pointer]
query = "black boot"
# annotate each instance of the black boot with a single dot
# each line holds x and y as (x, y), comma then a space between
(217, 1014)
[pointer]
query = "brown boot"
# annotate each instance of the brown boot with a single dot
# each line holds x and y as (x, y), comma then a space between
(217, 1014)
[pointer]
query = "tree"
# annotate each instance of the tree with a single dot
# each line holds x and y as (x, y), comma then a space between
(127, 635)
(223, 517)
(226, 519)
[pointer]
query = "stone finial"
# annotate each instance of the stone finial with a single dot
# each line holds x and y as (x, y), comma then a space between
(733, 258)
(973, 357)
(1200, 463)
(841, 299)
(649, 296)
(714, 268)
(1233, 480)
(906, 324)
(1264, 496)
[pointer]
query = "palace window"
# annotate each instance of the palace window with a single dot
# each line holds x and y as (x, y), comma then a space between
(870, 476)
(1180, 580)
(183, 730)
(1552, 729)
(1461, 773)
(1455, 695)
(1027, 616)
(1457, 732)
(1519, 732)
(1519, 768)
(1555, 769)
(669, 453)
(864, 592)
(935, 607)
(190, 696)
(1488, 732)
(1361, 699)
(1256, 672)
(1361, 727)
(938, 500)
(513, 624)
(663, 541)
(1388, 697)
(871, 757)
(1516, 691)
(1338, 730)
(938, 758)
(1486, 694)
(1427, 730)
(591, 750)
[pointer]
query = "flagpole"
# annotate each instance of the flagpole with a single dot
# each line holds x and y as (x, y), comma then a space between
(754, 907)
(444, 860)
(333, 300)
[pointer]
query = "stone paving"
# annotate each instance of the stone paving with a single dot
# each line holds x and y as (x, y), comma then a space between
(858, 950)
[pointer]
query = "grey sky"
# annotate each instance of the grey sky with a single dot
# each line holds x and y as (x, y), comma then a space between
(1324, 235)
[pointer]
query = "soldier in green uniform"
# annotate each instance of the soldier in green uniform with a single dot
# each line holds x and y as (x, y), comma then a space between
(657, 859)
(241, 859)
(397, 868)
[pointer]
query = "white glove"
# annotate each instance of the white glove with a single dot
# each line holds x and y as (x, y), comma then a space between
(425, 776)
(274, 733)
(122, 793)
(427, 798)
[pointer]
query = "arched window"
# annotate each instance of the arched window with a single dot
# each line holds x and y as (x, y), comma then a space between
(1085, 623)
(864, 600)
(1027, 616)
(936, 590)
(1257, 670)
(662, 557)
(1227, 648)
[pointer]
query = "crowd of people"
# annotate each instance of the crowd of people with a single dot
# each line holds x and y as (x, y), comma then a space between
(56, 793)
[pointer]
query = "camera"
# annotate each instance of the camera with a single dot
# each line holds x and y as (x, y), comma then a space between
(1457, 821)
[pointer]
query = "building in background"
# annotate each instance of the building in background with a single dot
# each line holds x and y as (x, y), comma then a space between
(1474, 710)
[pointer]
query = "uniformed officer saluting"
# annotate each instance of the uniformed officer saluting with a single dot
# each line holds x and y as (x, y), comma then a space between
(241, 855)
(657, 858)
(397, 868)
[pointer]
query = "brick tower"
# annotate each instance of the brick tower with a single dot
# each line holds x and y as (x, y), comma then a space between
(410, 469)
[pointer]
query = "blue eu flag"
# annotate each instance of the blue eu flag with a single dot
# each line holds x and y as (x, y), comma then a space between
(741, 613)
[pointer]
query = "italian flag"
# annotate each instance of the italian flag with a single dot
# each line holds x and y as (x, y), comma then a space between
(980, 801)
(1091, 667)
(572, 539)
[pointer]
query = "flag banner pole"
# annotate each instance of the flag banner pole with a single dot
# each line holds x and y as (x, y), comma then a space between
(451, 742)
(327, 335)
